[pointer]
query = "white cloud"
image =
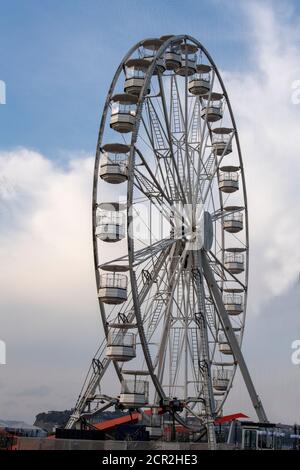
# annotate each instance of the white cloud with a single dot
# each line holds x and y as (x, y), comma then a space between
(45, 242)
(268, 124)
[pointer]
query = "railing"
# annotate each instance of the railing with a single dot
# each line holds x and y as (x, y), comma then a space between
(215, 104)
(123, 108)
(200, 76)
(229, 176)
(190, 56)
(234, 258)
(120, 338)
(233, 299)
(236, 217)
(222, 374)
(110, 231)
(114, 159)
(110, 218)
(134, 72)
(140, 387)
(113, 280)
(221, 139)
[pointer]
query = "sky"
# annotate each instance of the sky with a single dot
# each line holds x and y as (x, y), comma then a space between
(57, 59)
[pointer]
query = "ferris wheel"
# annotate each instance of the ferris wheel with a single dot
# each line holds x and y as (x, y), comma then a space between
(170, 239)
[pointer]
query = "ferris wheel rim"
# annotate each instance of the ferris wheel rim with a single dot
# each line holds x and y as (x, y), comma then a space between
(131, 157)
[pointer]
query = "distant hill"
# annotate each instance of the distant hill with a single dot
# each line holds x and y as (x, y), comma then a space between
(50, 419)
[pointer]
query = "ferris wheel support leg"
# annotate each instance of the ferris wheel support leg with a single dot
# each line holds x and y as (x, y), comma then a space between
(230, 335)
(206, 372)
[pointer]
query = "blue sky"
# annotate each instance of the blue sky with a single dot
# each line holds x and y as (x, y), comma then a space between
(58, 57)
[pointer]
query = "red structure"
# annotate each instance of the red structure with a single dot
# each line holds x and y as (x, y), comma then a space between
(133, 418)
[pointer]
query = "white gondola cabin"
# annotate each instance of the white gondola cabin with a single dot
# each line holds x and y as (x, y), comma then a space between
(229, 179)
(212, 109)
(134, 393)
(233, 302)
(199, 83)
(172, 54)
(233, 221)
(221, 379)
(123, 111)
(113, 285)
(135, 76)
(121, 344)
(113, 163)
(222, 140)
(234, 260)
(224, 346)
(110, 219)
(150, 48)
(188, 60)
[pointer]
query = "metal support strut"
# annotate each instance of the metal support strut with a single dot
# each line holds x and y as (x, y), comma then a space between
(206, 372)
(230, 335)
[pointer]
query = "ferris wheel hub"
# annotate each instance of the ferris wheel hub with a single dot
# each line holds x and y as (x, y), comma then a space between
(195, 228)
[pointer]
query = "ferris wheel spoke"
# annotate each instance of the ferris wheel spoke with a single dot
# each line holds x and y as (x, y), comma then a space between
(195, 124)
(206, 169)
(153, 275)
(156, 198)
(192, 354)
(162, 210)
(169, 136)
(153, 178)
(142, 255)
(163, 151)
(207, 180)
(152, 190)
(185, 161)
(158, 132)
(176, 110)
(179, 128)
(148, 252)
(155, 309)
(166, 171)
(168, 313)
(166, 279)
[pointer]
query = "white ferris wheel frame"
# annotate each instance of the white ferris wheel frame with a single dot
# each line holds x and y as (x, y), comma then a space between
(203, 259)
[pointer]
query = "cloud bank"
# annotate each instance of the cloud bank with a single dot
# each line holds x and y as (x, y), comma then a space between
(268, 124)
